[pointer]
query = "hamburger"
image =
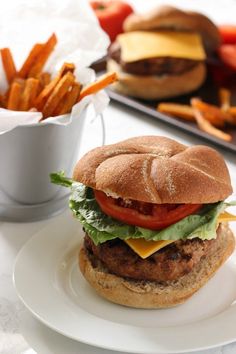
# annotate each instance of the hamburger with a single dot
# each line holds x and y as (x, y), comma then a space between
(152, 211)
(162, 54)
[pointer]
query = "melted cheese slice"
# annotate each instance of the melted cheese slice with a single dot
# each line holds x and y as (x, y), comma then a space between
(146, 248)
(140, 45)
(225, 217)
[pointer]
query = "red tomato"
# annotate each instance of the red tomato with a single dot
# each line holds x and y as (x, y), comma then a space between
(227, 53)
(111, 15)
(228, 34)
(162, 215)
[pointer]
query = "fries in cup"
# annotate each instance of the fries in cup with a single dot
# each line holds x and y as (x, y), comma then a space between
(32, 89)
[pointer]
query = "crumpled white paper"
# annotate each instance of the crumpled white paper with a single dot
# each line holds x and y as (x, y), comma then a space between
(80, 40)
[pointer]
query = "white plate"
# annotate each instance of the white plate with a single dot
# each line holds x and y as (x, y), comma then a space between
(44, 340)
(48, 282)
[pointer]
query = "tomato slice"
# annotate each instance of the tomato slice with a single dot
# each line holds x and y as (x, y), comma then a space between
(228, 34)
(159, 217)
(227, 53)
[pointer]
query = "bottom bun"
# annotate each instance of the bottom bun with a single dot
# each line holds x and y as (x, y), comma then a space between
(148, 294)
(152, 87)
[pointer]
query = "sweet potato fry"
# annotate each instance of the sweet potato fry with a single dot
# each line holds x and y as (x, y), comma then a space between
(224, 97)
(70, 98)
(2, 101)
(57, 94)
(30, 60)
(207, 127)
(8, 64)
(177, 110)
(43, 56)
(45, 93)
(16, 79)
(29, 94)
(98, 85)
(232, 112)
(66, 67)
(14, 97)
(211, 113)
(44, 79)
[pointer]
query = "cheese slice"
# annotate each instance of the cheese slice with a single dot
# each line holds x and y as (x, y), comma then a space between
(225, 217)
(146, 248)
(140, 45)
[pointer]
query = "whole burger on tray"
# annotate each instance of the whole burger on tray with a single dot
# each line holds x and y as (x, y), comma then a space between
(153, 214)
(162, 53)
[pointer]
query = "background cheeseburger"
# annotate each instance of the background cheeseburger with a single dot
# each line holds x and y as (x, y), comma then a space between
(162, 53)
(153, 215)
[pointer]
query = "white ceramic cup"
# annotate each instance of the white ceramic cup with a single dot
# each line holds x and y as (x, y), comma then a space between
(28, 154)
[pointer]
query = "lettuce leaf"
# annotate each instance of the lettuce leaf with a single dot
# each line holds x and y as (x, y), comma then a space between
(102, 227)
(59, 178)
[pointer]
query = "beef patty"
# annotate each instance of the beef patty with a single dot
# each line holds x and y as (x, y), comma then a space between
(169, 263)
(152, 66)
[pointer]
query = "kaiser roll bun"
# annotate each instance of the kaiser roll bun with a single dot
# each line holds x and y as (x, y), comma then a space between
(157, 170)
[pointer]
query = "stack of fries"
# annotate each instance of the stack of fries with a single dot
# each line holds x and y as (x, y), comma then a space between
(30, 88)
(208, 117)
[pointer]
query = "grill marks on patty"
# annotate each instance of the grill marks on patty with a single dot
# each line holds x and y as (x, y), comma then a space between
(152, 66)
(167, 264)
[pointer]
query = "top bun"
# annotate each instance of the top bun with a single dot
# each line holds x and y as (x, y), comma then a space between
(168, 17)
(156, 170)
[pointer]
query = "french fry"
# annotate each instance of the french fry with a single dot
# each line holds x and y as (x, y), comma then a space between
(45, 93)
(7, 93)
(29, 94)
(98, 85)
(43, 56)
(14, 97)
(2, 101)
(211, 113)
(30, 60)
(8, 64)
(207, 127)
(68, 101)
(177, 110)
(44, 79)
(66, 67)
(232, 111)
(57, 94)
(224, 97)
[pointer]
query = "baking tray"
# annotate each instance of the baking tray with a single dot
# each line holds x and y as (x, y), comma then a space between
(208, 93)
